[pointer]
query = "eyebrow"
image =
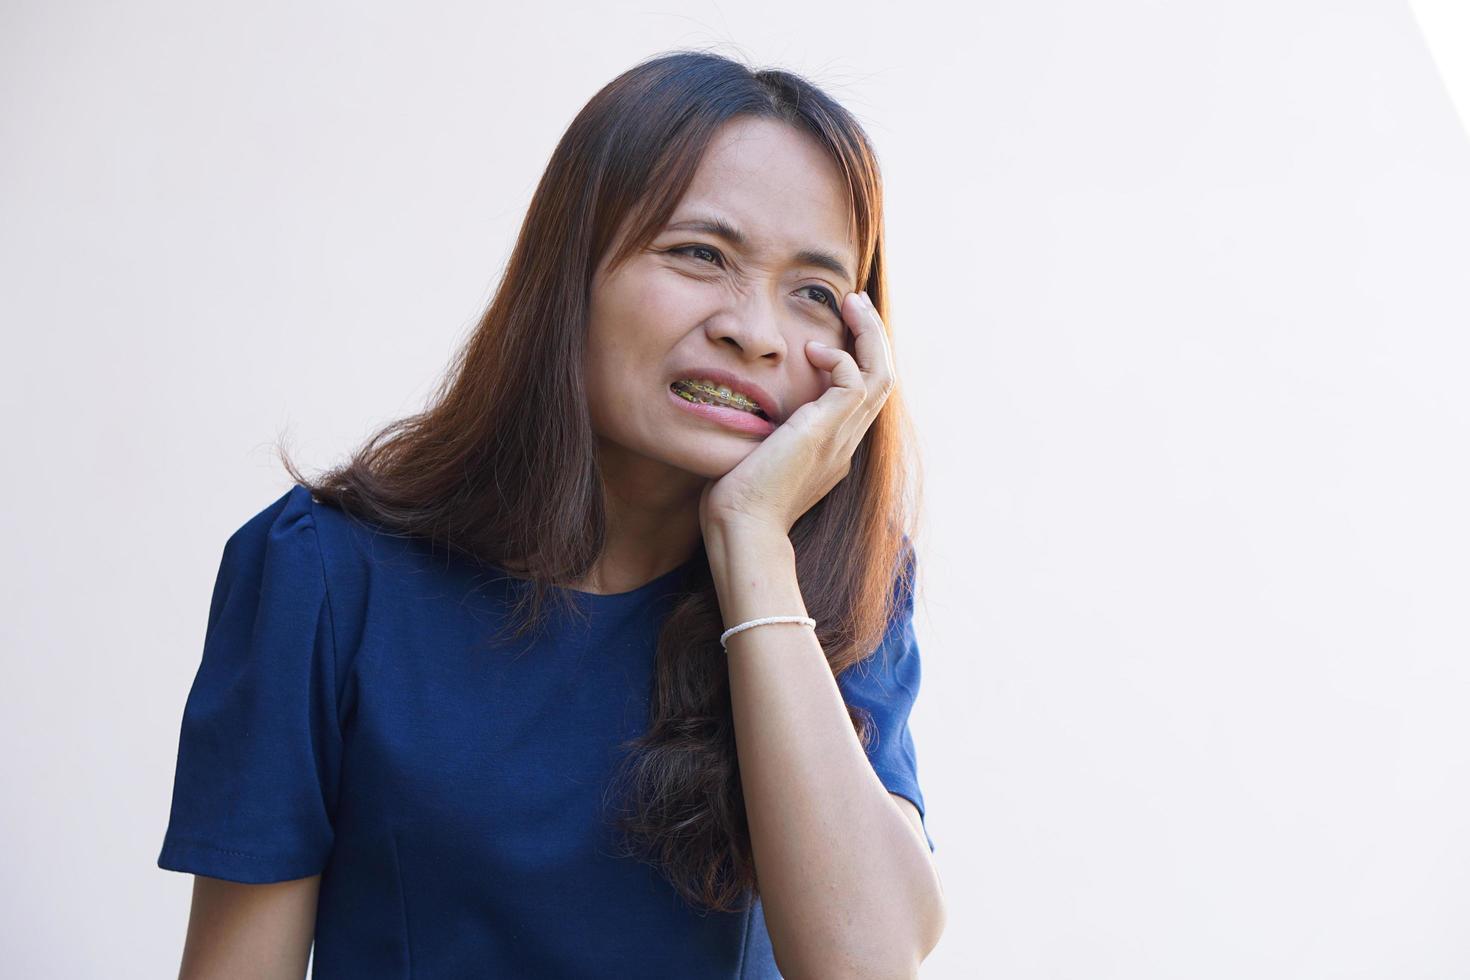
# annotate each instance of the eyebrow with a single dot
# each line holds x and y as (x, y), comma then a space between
(714, 225)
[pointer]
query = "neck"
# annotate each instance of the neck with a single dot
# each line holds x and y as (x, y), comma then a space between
(652, 521)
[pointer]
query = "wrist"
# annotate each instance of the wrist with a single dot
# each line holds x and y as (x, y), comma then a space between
(754, 572)
(736, 549)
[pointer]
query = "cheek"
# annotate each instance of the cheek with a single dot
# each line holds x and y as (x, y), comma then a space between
(668, 304)
(648, 309)
(613, 334)
(809, 388)
(627, 353)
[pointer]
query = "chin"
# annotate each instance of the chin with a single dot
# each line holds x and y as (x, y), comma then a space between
(705, 455)
(710, 457)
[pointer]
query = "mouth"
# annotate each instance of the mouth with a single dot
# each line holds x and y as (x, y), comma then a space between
(712, 393)
(742, 420)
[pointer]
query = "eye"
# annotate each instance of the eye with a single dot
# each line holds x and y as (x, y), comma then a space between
(830, 300)
(688, 249)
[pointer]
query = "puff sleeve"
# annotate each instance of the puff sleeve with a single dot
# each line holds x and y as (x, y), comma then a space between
(260, 746)
(885, 685)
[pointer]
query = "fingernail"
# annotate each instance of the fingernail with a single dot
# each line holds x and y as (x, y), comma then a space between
(864, 295)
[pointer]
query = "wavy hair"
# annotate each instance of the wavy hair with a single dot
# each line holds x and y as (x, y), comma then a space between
(501, 467)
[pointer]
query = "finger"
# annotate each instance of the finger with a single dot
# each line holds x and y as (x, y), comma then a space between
(870, 343)
(855, 404)
(845, 372)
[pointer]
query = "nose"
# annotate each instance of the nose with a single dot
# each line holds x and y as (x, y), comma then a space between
(753, 325)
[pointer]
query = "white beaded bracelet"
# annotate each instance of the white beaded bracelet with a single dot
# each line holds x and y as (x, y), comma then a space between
(803, 620)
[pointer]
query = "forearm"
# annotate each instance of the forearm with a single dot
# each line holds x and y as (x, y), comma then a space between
(847, 887)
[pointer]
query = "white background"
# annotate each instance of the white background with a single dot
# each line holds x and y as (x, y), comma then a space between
(1179, 298)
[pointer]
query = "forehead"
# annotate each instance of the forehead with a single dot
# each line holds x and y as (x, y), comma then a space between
(777, 185)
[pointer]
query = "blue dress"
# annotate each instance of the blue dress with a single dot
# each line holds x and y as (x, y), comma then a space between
(348, 719)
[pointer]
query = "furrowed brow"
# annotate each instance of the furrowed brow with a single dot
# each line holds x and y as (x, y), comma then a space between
(815, 257)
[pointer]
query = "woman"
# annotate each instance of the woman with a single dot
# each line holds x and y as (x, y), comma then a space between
(675, 420)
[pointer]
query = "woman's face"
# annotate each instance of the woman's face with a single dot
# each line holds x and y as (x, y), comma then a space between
(695, 302)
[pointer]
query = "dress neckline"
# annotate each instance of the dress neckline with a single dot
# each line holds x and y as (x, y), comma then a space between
(616, 598)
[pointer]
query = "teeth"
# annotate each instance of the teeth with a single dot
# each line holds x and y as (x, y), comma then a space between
(713, 393)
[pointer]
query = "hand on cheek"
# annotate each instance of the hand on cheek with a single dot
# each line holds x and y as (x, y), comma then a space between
(808, 454)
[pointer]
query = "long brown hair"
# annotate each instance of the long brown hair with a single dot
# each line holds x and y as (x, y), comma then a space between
(501, 466)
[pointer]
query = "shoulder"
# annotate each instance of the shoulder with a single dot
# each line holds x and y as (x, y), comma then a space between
(278, 539)
(341, 537)
(361, 562)
(293, 547)
(299, 525)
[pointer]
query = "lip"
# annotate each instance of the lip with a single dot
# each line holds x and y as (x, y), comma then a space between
(749, 389)
(734, 418)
